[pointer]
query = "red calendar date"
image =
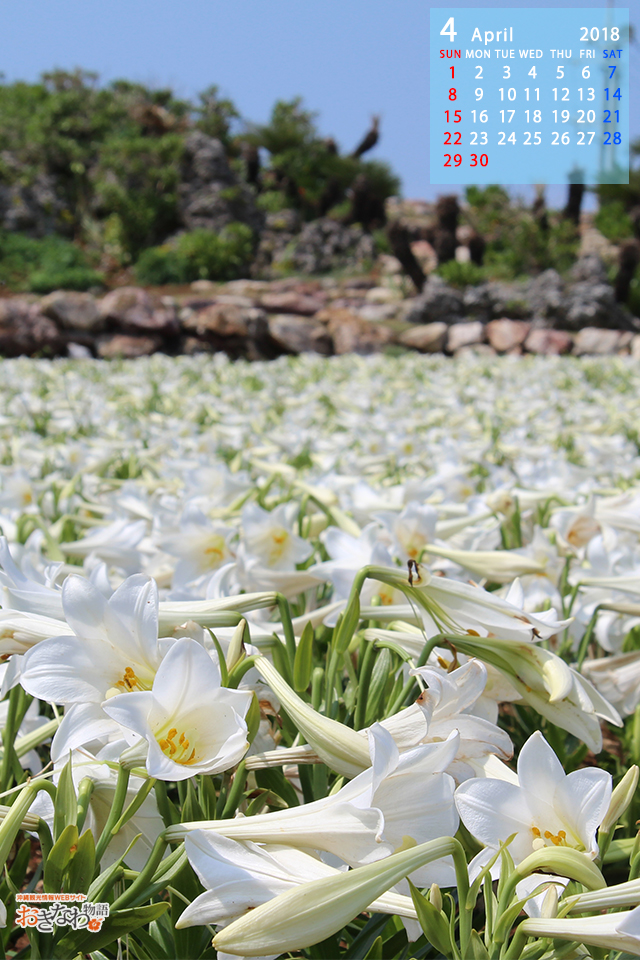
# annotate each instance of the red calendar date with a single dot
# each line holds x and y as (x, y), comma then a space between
(483, 160)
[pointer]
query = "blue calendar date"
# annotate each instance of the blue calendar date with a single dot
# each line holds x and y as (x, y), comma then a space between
(529, 95)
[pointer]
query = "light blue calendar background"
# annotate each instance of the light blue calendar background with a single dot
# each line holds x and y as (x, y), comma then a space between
(599, 158)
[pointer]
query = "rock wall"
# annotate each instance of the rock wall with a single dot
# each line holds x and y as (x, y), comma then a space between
(258, 319)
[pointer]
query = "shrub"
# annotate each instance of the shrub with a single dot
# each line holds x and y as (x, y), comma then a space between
(199, 255)
(461, 274)
(613, 221)
(42, 265)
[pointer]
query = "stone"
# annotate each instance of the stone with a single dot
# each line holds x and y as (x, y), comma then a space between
(73, 311)
(132, 310)
(377, 312)
(210, 195)
(550, 342)
(324, 245)
(476, 350)
(425, 255)
(595, 340)
(224, 320)
(351, 334)
(292, 301)
(592, 304)
(78, 351)
(594, 242)
(35, 208)
(506, 335)
(128, 348)
(238, 300)
(203, 286)
(24, 331)
(546, 294)
(589, 267)
(508, 300)
(388, 265)
(297, 334)
(425, 337)
(464, 335)
(634, 346)
(192, 345)
(477, 302)
(438, 301)
(382, 295)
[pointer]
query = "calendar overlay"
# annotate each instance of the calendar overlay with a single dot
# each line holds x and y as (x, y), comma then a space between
(529, 95)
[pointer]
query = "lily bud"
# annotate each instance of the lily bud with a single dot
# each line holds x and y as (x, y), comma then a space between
(620, 799)
(236, 651)
(315, 910)
(501, 566)
(625, 894)
(618, 931)
(211, 613)
(435, 896)
(549, 908)
(341, 748)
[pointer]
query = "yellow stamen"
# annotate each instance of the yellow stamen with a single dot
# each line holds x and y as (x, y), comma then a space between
(178, 752)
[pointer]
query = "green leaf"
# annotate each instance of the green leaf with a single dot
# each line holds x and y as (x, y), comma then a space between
(435, 925)
(222, 663)
(303, 661)
(65, 812)
(375, 953)
(379, 677)
(191, 809)
(236, 791)
(267, 797)
(478, 949)
(83, 864)
(59, 859)
(253, 718)
(20, 864)
(274, 779)
(119, 924)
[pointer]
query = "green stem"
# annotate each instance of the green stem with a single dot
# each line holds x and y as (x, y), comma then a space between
(85, 790)
(518, 941)
(235, 793)
(119, 797)
(462, 882)
(366, 669)
(586, 639)
(18, 705)
(135, 805)
(20, 806)
(287, 627)
(145, 875)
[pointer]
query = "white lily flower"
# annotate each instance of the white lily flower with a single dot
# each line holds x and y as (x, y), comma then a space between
(191, 724)
(613, 931)
(398, 796)
(546, 808)
(270, 537)
(451, 606)
(617, 678)
(23, 592)
(20, 631)
(410, 530)
(238, 877)
(115, 647)
(300, 917)
(201, 544)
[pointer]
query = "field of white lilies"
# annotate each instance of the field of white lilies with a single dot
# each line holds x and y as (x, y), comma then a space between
(332, 658)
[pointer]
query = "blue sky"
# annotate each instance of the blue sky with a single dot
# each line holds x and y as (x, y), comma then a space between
(348, 59)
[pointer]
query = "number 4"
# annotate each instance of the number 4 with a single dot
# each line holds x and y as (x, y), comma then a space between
(533, 73)
(448, 31)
